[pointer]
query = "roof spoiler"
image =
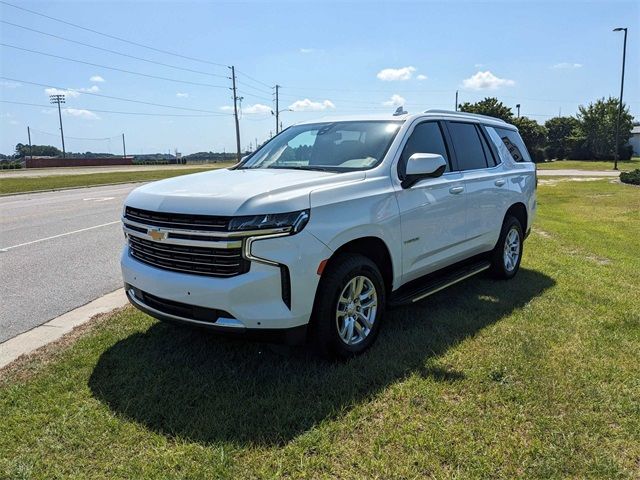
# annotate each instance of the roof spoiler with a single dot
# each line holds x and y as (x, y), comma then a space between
(475, 115)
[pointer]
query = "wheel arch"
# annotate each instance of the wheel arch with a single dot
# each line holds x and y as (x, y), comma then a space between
(376, 250)
(519, 211)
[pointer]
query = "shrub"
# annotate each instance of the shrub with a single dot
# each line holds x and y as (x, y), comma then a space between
(537, 155)
(625, 152)
(632, 177)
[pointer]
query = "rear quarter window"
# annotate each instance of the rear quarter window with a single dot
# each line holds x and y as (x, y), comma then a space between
(509, 144)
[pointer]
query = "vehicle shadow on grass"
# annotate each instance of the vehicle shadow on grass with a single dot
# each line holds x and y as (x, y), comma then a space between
(189, 384)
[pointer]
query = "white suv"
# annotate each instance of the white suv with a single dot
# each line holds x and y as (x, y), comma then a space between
(327, 224)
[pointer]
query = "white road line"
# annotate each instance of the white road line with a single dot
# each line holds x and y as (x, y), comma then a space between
(5, 249)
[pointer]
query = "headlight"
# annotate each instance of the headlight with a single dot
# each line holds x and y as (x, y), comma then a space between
(296, 221)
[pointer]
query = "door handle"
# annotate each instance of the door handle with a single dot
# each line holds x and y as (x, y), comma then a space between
(456, 190)
(500, 182)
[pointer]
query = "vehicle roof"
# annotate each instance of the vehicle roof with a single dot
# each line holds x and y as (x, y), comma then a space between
(439, 114)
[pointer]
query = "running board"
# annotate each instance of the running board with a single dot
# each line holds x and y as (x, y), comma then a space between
(434, 282)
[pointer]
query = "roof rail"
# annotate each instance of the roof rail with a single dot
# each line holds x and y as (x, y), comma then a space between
(475, 115)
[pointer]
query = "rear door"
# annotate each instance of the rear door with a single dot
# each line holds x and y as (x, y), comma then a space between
(485, 184)
(432, 211)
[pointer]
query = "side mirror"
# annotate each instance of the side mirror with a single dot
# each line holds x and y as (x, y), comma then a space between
(423, 165)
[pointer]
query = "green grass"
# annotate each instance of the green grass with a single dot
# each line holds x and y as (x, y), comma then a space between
(537, 377)
(590, 165)
(25, 184)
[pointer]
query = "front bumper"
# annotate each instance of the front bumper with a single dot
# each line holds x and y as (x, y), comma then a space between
(250, 302)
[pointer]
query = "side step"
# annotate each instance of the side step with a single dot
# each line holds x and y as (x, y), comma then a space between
(436, 281)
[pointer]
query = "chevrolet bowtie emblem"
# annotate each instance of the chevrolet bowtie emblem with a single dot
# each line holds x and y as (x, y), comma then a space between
(157, 234)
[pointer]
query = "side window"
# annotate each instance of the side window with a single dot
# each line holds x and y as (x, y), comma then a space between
(488, 152)
(467, 145)
(509, 143)
(426, 138)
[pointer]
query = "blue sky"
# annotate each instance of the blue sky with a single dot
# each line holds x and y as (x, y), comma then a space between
(331, 58)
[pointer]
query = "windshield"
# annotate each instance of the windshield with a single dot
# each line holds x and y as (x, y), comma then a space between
(334, 147)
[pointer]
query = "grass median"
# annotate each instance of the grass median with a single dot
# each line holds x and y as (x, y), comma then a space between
(54, 182)
(590, 165)
(531, 378)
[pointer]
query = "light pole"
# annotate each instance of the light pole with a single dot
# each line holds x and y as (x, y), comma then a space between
(277, 115)
(59, 99)
(624, 55)
(518, 107)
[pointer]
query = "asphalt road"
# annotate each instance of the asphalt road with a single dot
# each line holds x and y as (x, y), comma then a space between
(58, 251)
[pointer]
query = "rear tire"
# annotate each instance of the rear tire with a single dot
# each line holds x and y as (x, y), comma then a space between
(507, 254)
(349, 306)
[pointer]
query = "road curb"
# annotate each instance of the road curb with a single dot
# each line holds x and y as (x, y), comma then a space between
(40, 336)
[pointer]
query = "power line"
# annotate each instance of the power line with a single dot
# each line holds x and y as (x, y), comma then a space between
(76, 138)
(113, 68)
(261, 90)
(126, 113)
(254, 79)
(114, 51)
(113, 36)
(110, 96)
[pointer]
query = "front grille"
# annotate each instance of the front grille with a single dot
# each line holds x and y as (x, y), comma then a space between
(178, 221)
(215, 262)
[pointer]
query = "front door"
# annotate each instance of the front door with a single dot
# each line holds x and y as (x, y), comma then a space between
(432, 211)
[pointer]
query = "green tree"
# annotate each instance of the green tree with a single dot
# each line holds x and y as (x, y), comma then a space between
(533, 135)
(598, 127)
(559, 132)
(23, 150)
(489, 106)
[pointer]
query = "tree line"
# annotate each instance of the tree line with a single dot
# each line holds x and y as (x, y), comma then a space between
(590, 135)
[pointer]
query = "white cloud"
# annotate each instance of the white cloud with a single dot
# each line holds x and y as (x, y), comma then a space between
(393, 74)
(566, 66)
(80, 113)
(14, 122)
(57, 91)
(182, 95)
(97, 79)
(307, 105)
(421, 77)
(307, 50)
(256, 108)
(395, 101)
(479, 65)
(9, 84)
(486, 81)
(227, 108)
(91, 89)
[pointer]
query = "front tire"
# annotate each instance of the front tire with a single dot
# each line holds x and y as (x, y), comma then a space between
(349, 307)
(507, 254)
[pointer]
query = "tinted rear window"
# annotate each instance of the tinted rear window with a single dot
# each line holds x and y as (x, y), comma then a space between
(512, 141)
(467, 145)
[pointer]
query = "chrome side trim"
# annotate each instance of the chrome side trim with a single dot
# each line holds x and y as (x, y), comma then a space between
(452, 282)
(222, 322)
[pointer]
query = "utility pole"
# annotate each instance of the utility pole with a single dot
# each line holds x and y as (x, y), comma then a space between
(124, 148)
(518, 107)
(624, 55)
(235, 112)
(59, 99)
(456, 100)
(277, 87)
(30, 146)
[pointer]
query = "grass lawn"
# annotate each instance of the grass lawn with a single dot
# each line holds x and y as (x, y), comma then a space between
(534, 378)
(590, 165)
(25, 184)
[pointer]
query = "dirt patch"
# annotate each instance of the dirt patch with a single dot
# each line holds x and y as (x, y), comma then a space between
(541, 232)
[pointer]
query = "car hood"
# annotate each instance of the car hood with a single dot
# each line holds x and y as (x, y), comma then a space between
(236, 192)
